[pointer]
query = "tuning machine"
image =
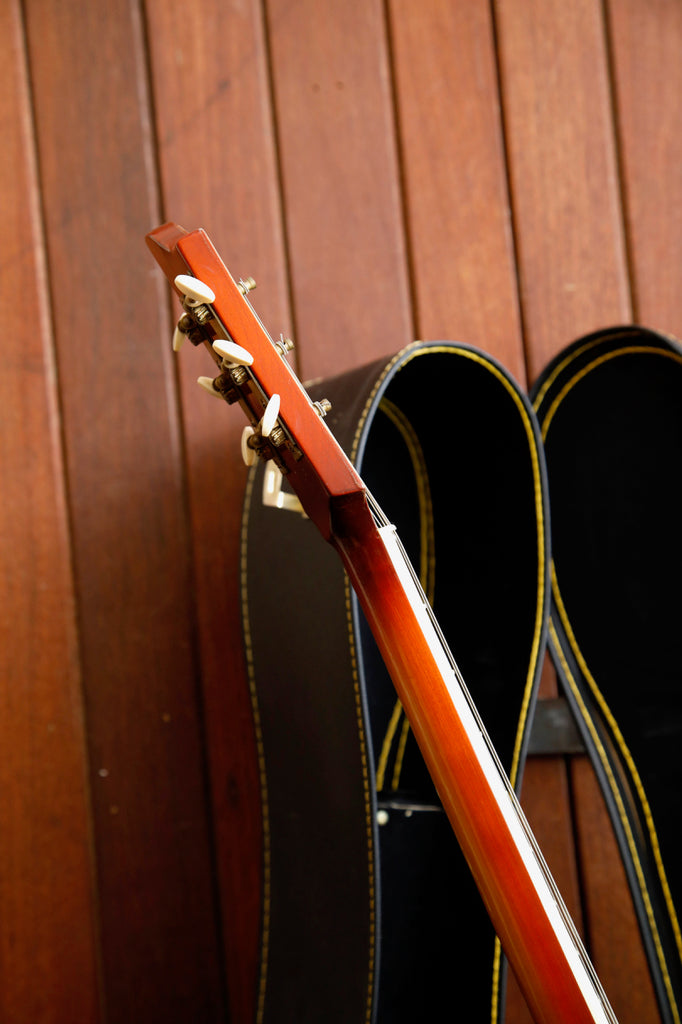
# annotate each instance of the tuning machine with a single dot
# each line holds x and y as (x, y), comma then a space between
(257, 440)
(268, 435)
(222, 386)
(231, 353)
(197, 300)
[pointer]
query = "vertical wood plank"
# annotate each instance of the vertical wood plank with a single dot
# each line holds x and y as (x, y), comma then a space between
(160, 949)
(217, 158)
(563, 171)
(340, 179)
(614, 933)
(454, 175)
(645, 44)
(48, 959)
(572, 264)
(645, 41)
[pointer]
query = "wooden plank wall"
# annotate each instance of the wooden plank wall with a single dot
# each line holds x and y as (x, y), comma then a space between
(502, 173)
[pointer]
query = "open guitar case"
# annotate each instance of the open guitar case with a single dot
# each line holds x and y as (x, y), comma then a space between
(610, 411)
(369, 912)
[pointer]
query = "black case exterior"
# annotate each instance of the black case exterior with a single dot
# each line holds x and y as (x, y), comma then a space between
(369, 912)
(610, 410)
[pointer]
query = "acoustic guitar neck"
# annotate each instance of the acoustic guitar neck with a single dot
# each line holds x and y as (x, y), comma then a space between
(286, 428)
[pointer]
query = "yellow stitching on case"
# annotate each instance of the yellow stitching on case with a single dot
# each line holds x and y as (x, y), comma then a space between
(607, 357)
(537, 484)
(398, 767)
(630, 350)
(362, 419)
(262, 772)
(418, 349)
(412, 351)
(368, 804)
(427, 568)
(634, 774)
(495, 991)
(427, 561)
(360, 723)
(368, 404)
(248, 647)
(569, 359)
(601, 340)
(627, 756)
(386, 745)
(617, 797)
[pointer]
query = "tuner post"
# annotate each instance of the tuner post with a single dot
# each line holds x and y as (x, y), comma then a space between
(322, 407)
(246, 285)
(284, 345)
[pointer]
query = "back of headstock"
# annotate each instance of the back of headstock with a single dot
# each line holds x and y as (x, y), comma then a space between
(284, 425)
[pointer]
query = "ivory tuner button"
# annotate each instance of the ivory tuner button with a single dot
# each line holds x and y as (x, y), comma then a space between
(232, 352)
(194, 289)
(178, 339)
(248, 453)
(207, 384)
(270, 416)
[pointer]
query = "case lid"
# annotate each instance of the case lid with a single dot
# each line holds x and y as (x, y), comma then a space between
(610, 410)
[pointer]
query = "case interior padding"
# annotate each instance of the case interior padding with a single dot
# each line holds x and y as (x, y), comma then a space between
(370, 913)
(610, 409)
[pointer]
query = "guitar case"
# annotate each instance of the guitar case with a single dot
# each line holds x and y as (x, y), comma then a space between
(369, 912)
(610, 410)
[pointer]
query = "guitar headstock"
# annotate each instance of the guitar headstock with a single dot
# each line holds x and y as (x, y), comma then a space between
(284, 425)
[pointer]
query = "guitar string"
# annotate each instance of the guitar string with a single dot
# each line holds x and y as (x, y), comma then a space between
(381, 520)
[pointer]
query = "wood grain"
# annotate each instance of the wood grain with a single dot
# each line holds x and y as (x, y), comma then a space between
(47, 890)
(645, 47)
(455, 177)
(562, 172)
(614, 935)
(572, 264)
(645, 40)
(504, 174)
(218, 168)
(120, 424)
(340, 182)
